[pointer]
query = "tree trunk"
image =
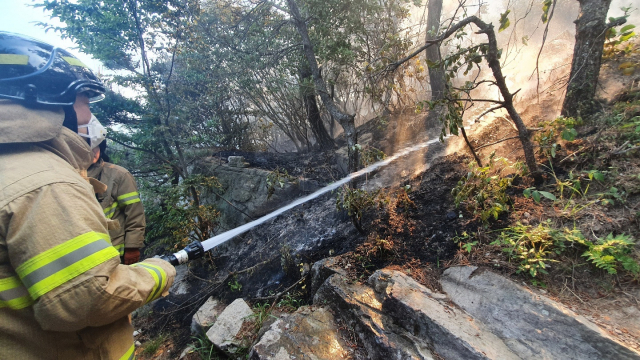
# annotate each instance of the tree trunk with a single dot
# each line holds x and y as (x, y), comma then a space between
(436, 74)
(345, 120)
(323, 138)
(587, 56)
(523, 132)
(439, 86)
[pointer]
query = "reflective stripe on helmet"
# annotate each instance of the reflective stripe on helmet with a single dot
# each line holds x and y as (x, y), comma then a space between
(159, 276)
(129, 198)
(54, 267)
(13, 294)
(13, 59)
(73, 61)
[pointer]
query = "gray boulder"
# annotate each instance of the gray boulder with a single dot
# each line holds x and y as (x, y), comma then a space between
(361, 307)
(206, 316)
(449, 331)
(224, 332)
(532, 326)
(309, 333)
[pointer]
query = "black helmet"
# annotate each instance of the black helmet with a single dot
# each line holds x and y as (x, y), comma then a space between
(35, 72)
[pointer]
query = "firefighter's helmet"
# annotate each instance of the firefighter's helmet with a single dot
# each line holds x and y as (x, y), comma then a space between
(34, 72)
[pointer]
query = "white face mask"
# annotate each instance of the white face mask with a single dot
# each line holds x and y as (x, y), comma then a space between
(96, 133)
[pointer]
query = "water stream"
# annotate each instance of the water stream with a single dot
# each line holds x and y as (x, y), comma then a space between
(228, 235)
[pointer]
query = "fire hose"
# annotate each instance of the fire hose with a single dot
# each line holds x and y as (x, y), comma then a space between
(196, 249)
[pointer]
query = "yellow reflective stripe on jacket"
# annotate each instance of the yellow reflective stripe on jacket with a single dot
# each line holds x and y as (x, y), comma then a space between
(109, 211)
(160, 277)
(13, 294)
(120, 248)
(54, 267)
(130, 354)
(128, 198)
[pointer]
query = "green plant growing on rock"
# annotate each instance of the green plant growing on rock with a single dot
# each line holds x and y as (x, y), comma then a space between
(235, 285)
(260, 313)
(356, 202)
(278, 178)
(290, 302)
(483, 190)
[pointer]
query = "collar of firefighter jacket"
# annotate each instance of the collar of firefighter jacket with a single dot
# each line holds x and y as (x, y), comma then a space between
(72, 148)
(95, 170)
(19, 124)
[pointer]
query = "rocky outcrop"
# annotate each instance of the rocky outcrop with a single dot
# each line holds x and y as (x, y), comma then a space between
(244, 192)
(206, 316)
(482, 316)
(532, 326)
(426, 316)
(310, 332)
(225, 332)
(361, 307)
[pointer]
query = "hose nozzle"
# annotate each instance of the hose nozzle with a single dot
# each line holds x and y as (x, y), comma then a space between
(190, 252)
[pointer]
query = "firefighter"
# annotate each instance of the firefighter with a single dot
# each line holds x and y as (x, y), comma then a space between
(121, 200)
(63, 292)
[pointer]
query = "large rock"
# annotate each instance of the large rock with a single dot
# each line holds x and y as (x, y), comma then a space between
(532, 326)
(243, 194)
(449, 331)
(180, 284)
(309, 333)
(361, 307)
(322, 269)
(206, 316)
(224, 332)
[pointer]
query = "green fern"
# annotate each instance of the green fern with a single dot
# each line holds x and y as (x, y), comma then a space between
(612, 251)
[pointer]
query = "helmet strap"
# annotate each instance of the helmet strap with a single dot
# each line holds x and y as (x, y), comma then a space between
(71, 121)
(70, 118)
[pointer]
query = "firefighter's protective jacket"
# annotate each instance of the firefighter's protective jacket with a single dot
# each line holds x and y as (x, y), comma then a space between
(63, 292)
(120, 202)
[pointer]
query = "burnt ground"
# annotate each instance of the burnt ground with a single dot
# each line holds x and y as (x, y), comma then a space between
(265, 264)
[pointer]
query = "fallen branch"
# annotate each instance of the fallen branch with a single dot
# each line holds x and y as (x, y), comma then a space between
(497, 142)
(573, 154)
(488, 111)
(278, 295)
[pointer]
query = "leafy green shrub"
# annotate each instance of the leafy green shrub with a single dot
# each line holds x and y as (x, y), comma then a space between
(536, 195)
(533, 247)
(178, 219)
(610, 252)
(536, 247)
(547, 138)
(617, 42)
(370, 155)
(483, 190)
(356, 202)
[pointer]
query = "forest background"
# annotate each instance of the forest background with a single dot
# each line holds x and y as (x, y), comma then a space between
(191, 78)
